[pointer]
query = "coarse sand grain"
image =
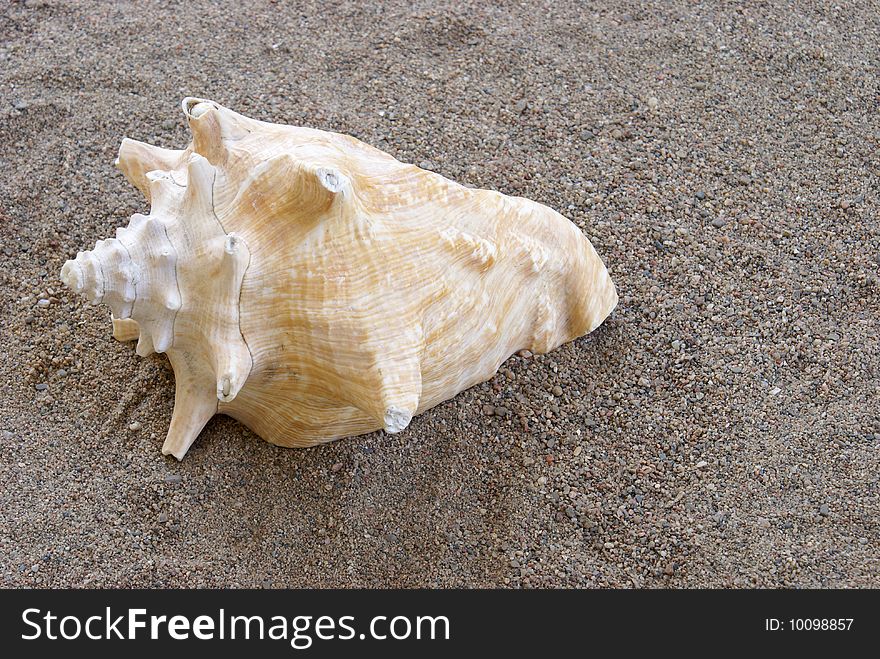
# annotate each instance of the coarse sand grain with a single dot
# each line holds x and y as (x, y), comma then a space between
(722, 428)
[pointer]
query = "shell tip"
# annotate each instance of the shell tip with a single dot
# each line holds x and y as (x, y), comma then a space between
(194, 107)
(396, 419)
(191, 412)
(227, 388)
(72, 276)
(179, 454)
(144, 346)
(332, 179)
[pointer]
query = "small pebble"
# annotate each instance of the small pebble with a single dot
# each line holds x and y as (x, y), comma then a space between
(824, 510)
(427, 164)
(135, 425)
(42, 386)
(43, 302)
(525, 354)
(336, 467)
(718, 222)
(488, 410)
(172, 478)
(163, 518)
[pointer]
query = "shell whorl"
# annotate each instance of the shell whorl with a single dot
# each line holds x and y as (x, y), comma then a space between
(172, 278)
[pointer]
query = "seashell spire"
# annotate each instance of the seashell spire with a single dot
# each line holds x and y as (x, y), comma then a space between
(172, 280)
(314, 287)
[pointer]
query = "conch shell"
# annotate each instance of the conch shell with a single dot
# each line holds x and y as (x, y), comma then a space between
(314, 287)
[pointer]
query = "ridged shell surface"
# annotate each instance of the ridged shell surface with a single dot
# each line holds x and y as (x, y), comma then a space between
(314, 287)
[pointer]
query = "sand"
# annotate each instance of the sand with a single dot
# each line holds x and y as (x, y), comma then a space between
(721, 429)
